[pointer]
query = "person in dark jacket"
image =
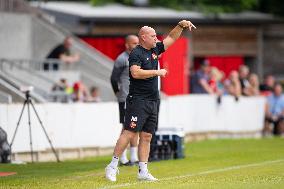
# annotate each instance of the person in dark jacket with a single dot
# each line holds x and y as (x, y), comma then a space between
(120, 86)
(62, 53)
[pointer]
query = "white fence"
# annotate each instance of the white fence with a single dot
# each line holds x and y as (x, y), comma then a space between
(96, 124)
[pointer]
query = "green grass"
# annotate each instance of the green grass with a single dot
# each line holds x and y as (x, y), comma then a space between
(240, 163)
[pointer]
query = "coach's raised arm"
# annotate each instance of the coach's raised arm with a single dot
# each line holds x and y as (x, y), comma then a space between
(176, 32)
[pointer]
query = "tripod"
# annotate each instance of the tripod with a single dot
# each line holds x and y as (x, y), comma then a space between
(29, 102)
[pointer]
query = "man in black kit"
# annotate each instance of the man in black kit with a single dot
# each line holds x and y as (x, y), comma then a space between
(142, 100)
(61, 52)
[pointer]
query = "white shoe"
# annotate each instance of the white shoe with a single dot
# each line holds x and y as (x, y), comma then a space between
(111, 173)
(146, 176)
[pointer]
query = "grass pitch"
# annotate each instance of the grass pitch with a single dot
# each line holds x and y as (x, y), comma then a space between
(222, 164)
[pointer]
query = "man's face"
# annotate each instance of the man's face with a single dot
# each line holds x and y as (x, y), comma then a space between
(270, 81)
(150, 38)
(278, 90)
(234, 75)
(244, 72)
(68, 42)
(132, 43)
(206, 69)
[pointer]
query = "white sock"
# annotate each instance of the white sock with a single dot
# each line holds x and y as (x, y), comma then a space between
(114, 161)
(143, 167)
(133, 154)
(123, 157)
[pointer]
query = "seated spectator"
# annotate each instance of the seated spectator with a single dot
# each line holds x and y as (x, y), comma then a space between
(275, 112)
(233, 85)
(61, 91)
(200, 80)
(254, 85)
(95, 95)
(266, 88)
(61, 52)
(60, 86)
(215, 81)
(80, 93)
(243, 75)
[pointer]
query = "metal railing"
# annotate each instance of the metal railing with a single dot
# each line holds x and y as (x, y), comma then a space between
(5, 98)
(22, 72)
(25, 73)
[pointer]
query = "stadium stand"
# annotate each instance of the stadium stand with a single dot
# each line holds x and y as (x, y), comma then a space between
(33, 35)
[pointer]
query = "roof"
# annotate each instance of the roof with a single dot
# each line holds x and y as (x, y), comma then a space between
(121, 13)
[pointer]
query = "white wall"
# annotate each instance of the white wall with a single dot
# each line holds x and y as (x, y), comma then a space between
(201, 113)
(83, 125)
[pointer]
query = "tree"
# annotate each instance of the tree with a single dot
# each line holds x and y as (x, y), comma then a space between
(208, 6)
(272, 6)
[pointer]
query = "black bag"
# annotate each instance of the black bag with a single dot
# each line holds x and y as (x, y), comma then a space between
(5, 149)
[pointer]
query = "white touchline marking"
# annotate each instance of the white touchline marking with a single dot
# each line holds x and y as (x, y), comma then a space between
(198, 174)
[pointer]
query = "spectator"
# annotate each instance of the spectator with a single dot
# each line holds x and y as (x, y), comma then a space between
(233, 85)
(80, 93)
(215, 83)
(200, 79)
(95, 95)
(61, 52)
(266, 88)
(254, 85)
(275, 112)
(243, 75)
(61, 91)
(60, 86)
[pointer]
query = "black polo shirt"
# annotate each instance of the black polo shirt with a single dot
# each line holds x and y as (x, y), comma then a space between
(57, 51)
(147, 60)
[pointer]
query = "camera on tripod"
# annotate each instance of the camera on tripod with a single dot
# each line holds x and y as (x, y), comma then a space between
(28, 102)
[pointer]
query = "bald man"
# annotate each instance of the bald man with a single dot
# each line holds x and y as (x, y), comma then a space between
(63, 53)
(120, 85)
(142, 101)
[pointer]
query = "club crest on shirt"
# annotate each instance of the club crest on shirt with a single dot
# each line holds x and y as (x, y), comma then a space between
(132, 124)
(154, 56)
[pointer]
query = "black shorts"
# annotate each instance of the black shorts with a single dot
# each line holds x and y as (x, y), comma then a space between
(141, 115)
(275, 122)
(121, 111)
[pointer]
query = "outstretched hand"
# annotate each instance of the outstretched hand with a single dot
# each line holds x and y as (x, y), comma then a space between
(186, 24)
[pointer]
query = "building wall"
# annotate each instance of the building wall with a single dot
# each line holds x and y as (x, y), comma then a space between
(24, 37)
(225, 40)
(44, 39)
(15, 36)
(273, 49)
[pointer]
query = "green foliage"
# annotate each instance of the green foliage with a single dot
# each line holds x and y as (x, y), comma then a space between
(272, 6)
(210, 6)
(215, 6)
(102, 2)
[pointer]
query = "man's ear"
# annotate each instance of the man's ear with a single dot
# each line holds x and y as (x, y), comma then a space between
(143, 37)
(126, 46)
